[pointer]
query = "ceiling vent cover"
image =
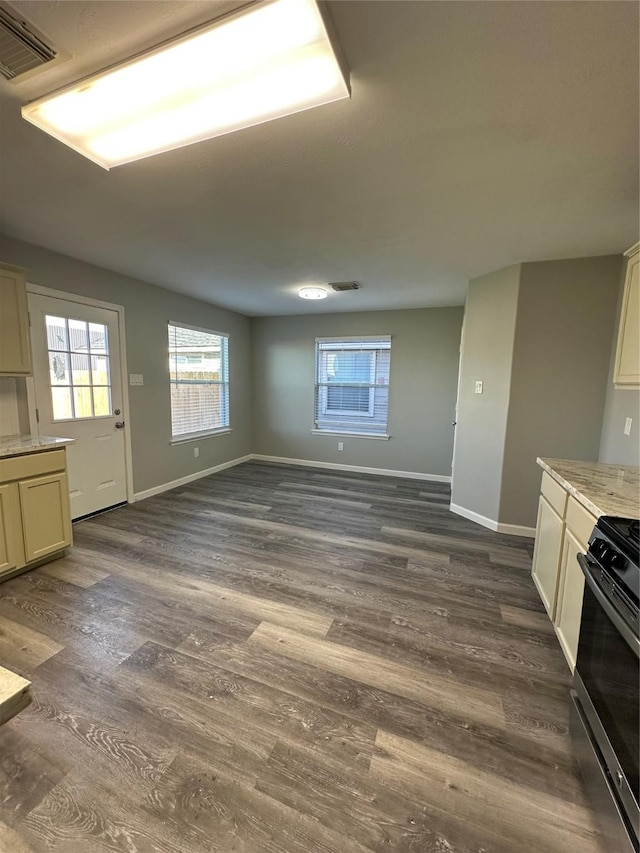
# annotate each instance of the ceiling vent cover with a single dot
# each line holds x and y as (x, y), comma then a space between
(341, 286)
(21, 49)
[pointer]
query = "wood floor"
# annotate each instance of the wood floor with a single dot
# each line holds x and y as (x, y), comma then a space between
(287, 660)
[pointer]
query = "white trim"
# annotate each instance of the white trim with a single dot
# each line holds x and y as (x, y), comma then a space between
(491, 524)
(356, 339)
(379, 437)
(474, 516)
(517, 530)
(334, 466)
(165, 487)
(197, 436)
(180, 325)
(52, 293)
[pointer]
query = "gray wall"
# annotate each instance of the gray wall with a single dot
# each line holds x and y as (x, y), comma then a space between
(620, 404)
(424, 364)
(147, 310)
(487, 349)
(564, 326)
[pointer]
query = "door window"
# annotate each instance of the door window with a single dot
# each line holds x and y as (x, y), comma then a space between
(79, 374)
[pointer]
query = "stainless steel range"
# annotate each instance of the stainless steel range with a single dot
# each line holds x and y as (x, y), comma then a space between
(605, 713)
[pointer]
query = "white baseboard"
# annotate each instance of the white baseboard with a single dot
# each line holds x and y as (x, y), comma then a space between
(197, 475)
(335, 466)
(517, 530)
(498, 527)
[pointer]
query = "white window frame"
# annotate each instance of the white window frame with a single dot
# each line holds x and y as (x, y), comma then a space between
(346, 428)
(324, 393)
(225, 383)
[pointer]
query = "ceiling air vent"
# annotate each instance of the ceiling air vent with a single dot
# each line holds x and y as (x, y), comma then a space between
(341, 286)
(21, 49)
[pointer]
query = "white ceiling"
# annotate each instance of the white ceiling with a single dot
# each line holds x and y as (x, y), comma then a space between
(478, 134)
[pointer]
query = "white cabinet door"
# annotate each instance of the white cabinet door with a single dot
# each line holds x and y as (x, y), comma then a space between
(547, 553)
(46, 526)
(15, 354)
(570, 592)
(11, 547)
(627, 371)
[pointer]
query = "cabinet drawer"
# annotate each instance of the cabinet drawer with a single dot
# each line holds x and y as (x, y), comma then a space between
(580, 522)
(554, 493)
(31, 465)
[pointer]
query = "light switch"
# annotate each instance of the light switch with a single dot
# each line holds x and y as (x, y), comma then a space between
(479, 384)
(136, 379)
(627, 426)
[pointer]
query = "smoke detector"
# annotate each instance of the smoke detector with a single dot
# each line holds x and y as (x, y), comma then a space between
(22, 48)
(341, 286)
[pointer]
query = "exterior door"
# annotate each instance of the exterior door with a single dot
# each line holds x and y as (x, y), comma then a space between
(78, 388)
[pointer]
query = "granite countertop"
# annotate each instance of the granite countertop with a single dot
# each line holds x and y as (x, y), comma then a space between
(600, 488)
(15, 694)
(17, 445)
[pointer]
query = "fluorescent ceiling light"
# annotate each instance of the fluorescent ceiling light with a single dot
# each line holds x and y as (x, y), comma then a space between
(268, 60)
(312, 293)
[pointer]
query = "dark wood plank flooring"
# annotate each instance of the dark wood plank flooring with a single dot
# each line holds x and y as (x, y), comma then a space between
(287, 660)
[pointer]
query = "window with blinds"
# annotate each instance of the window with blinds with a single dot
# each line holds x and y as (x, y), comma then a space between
(199, 376)
(352, 385)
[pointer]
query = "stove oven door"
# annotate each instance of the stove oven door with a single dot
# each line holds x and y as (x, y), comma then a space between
(607, 684)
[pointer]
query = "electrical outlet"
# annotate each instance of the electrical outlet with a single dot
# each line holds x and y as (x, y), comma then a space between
(627, 426)
(196, 452)
(341, 445)
(479, 385)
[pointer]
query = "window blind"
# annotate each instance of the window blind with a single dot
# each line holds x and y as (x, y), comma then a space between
(199, 379)
(352, 384)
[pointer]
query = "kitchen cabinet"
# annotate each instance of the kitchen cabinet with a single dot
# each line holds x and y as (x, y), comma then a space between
(11, 544)
(563, 530)
(547, 553)
(35, 518)
(627, 364)
(548, 544)
(15, 350)
(570, 592)
(579, 525)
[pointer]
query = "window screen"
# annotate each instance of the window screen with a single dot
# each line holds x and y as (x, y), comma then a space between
(199, 368)
(352, 384)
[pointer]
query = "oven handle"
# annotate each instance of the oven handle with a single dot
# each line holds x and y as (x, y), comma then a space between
(632, 641)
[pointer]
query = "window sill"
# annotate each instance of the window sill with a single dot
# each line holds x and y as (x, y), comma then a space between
(200, 435)
(379, 437)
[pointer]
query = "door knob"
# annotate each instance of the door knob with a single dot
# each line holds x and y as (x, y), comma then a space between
(119, 424)
(116, 411)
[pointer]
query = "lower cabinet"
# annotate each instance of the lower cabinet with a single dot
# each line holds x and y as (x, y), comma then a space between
(570, 592)
(35, 519)
(11, 541)
(563, 530)
(547, 553)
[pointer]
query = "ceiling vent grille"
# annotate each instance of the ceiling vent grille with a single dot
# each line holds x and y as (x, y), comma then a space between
(341, 286)
(21, 50)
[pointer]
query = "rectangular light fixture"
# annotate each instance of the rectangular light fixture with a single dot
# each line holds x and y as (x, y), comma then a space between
(266, 61)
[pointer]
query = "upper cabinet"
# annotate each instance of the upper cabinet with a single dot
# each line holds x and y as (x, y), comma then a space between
(15, 352)
(627, 369)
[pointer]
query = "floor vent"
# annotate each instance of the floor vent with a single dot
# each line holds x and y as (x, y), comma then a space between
(341, 286)
(21, 50)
